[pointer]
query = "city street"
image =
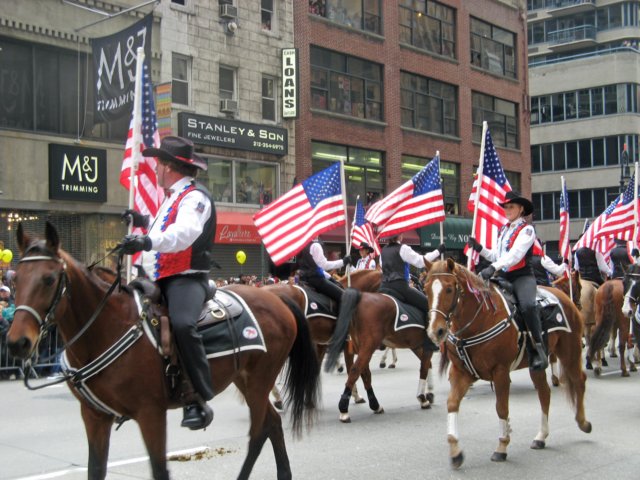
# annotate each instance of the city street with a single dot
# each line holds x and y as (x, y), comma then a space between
(42, 435)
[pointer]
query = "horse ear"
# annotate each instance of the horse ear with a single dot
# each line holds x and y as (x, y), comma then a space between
(51, 234)
(451, 264)
(23, 239)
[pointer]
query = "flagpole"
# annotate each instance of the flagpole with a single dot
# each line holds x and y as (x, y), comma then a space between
(137, 133)
(346, 224)
(563, 190)
(635, 208)
(353, 223)
(479, 187)
(442, 222)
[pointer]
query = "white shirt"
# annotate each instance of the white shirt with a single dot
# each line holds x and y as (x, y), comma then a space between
(503, 259)
(552, 267)
(603, 266)
(412, 257)
(194, 211)
(364, 263)
(317, 253)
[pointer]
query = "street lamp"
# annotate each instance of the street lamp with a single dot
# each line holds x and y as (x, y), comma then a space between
(625, 172)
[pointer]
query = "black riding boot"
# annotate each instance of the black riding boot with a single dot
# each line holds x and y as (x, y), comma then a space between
(535, 347)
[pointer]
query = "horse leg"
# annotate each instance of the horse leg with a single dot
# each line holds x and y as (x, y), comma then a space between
(371, 396)
(394, 358)
(553, 362)
(357, 369)
(277, 398)
(587, 338)
(623, 334)
(153, 427)
(544, 396)
(459, 381)
(502, 383)
(612, 343)
(383, 359)
(98, 429)
(348, 361)
(575, 378)
(425, 383)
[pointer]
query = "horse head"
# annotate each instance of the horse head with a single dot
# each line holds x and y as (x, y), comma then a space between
(40, 283)
(576, 287)
(631, 285)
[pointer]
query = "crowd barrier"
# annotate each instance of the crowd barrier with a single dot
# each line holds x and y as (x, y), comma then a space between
(45, 363)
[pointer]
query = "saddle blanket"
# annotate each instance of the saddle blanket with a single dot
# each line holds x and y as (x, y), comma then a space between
(407, 316)
(552, 315)
(240, 333)
(317, 305)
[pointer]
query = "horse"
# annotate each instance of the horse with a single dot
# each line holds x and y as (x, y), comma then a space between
(609, 315)
(631, 301)
(54, 288)
(481, 342)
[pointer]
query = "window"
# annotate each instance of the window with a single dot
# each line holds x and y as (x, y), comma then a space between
(266, 14)
(346, 85)
(360, 14)
(268, 98)
(502, 117)
(178, 2)
(227, 83)
(428, 25)
(241, 182)
(449, 173)
(428, 104)
(364, 175)
(180, 78)
(587, 203)
(493, 48)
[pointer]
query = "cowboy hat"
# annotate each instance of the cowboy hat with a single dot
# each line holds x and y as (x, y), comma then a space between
(367, 246)
(514, 197)
(176, 149)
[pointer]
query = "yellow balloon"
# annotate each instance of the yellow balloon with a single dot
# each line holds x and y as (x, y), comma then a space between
(241, 257)
(7, 256)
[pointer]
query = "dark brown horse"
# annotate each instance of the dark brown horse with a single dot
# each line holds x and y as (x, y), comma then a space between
(609, 315)
(481, 342)
(52, 287)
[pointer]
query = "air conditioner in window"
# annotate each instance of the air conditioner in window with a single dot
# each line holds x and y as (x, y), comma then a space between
(228, 106)
(228, 11)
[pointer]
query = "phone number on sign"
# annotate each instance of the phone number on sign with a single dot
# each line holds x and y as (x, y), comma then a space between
(272, 146)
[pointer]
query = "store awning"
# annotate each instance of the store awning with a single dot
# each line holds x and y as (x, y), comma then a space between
(236, 228)
(456, 233)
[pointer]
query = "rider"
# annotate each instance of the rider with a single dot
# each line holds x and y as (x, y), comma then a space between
(591, 265)
(620, 258)
(314, 264)
(177, 254)
(543, 265)
(513, 257)
(367, 260)
(395, 260)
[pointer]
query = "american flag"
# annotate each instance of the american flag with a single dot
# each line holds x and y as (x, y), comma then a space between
(490, 216)
(416, 203)
(363, 230)
(563, 243)
(307, 210)
(620, 223)
(588, 238)
(147, 196)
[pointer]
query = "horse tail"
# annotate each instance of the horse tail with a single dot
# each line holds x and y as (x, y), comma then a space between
(302, 377)
(606, 308)
(350, 300)
(444, 360)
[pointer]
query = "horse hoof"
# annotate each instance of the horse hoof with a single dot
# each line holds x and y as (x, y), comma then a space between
(499, 457)
(624, 373)
(340, 369)
(360, 400)
(554, 381)
(538, 445)
(605, 363)
(589, 366)
(613, 355)
(597, 371)
(425, 406)
(382, 365)
(379, 411)
(392, 366)
(456, 462)
(345, 418)
(430, 397)
(278, 405)
(632, 367)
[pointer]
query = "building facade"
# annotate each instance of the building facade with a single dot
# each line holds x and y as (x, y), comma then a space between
(385, 85)
(216, 69)
(584, 71)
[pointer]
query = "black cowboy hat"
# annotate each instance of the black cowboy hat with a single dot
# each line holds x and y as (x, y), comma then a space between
(514, 197)
(367, 246)
(176, 149)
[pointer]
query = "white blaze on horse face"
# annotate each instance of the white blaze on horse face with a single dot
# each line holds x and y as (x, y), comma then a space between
(627, 309)
(436, 290)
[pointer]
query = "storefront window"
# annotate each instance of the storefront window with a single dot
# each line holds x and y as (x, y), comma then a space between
(449, 174)
(363, 169)
(234, 181)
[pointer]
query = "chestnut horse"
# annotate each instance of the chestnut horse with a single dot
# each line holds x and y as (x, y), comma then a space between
(52, 287)
(609, 315)
(465, 311)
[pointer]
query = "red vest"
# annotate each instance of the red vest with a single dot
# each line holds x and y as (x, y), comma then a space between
(524, 261)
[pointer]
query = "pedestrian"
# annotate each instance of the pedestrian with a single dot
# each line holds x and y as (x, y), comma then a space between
(367, 260)
(177, 254)
(512, 257)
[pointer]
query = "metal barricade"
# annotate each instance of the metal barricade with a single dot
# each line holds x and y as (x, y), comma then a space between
(45, 363)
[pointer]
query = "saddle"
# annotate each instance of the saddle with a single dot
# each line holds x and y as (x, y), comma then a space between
(317, 304)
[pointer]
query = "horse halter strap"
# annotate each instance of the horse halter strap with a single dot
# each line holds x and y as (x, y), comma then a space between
(454, 303)
(60, 291)
(636, 278)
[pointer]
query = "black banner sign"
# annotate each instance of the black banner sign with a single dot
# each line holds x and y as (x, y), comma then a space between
(114, 62)
(77, 173)
(221, 132)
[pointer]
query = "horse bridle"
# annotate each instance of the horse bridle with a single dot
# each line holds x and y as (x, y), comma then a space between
(635, 276)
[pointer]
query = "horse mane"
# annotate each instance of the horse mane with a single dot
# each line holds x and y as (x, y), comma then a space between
(470, 278)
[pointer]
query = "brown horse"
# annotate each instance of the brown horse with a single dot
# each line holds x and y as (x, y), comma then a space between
(608, 315)
(52, 287)
(481, 342)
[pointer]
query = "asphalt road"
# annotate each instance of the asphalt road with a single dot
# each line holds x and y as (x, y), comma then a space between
(42, 435)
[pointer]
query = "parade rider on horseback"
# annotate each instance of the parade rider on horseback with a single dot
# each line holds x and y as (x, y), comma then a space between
(513, 257)
(620, 259)
(177, 254)
(591, 265)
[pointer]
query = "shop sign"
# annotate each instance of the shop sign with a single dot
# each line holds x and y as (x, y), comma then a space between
(77, 173)
(222, 132)
(240, 234)
(289, 83)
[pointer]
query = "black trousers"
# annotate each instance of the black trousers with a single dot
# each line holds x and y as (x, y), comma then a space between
(326, 287)
(402, 291)
(524, 288)
(185, 295)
